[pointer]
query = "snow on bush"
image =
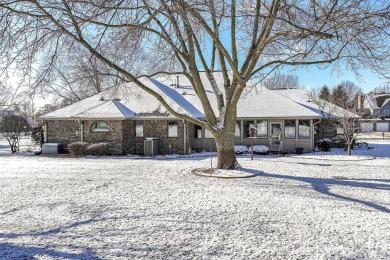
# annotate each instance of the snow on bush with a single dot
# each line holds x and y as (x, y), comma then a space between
(98, 149)
(260, 149)
(240, 149)
(324, 144)
(78, 148)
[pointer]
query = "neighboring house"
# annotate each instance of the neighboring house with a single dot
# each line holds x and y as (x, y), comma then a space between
(6, 110)
(323, 128)
(125, 115)
(378, 107)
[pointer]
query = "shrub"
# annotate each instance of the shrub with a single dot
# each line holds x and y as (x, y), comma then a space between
(78, 148)
(240, 149)
(260, 149)
(324, 145)
(98, 149)
(38, 135)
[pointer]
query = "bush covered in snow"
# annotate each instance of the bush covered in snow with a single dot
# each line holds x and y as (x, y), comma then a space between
(240, 149)
(324, 144)
(98, 149)
(257, 149)
(83, 148)
(260, 149)
(78, 148)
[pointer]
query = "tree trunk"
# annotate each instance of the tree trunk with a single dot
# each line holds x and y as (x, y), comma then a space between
(349, 149)
(225, 149)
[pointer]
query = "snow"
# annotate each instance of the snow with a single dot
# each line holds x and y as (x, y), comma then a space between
(255, 101)
(310, 206)
(119, 102)
(177, 98)
(302, 98)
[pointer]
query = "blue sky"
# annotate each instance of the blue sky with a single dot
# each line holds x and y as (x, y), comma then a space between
(312, 77)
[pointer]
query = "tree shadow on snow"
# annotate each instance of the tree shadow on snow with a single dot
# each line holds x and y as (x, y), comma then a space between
(11, 251)
(53, 230)
(322, 185)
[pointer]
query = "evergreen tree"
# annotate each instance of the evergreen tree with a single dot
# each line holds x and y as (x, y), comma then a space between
(339, 96)
(325, 93)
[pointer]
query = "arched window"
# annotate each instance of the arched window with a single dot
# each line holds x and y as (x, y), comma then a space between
(100, 126)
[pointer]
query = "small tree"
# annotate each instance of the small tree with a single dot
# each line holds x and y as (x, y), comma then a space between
(38, 135)
(12, 126)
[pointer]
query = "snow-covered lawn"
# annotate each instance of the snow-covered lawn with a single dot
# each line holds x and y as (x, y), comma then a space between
(310, 206)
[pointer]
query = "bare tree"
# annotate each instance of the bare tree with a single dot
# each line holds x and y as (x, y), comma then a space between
(281, 81)
(385, 89)
(338, 112)
(244, 39)
(4, 94)
(12, 126)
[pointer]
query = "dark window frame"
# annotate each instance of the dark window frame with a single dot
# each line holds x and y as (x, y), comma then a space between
(135, 129)
(177, 128)
(93, 129)
(285, 128)
(299, 124)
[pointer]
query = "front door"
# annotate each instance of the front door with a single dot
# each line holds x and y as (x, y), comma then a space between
(275, 143)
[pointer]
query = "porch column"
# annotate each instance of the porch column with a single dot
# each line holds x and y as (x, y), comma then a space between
(311, 134)
(185, 135)
(81, 131)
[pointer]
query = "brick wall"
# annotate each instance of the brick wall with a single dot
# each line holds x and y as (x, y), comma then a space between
(61, 131)
(114, 137)
(157, 128)
(122, 135)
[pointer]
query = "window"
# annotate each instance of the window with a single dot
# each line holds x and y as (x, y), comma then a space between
(100, 126)
(198, 132)
(207, 134)
(237, 131)
(247, 126)
(139, 129)
(262, 129)
(289, 129)
(304, 129)
(172, 128)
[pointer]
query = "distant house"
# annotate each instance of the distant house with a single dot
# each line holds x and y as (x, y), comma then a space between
(378, 107)
(125, 116)
(6, 110)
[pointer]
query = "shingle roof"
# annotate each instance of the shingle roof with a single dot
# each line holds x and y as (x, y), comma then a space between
(255, 101)
(302, 98)
(377, 101)
(128, 101)
(121, 102)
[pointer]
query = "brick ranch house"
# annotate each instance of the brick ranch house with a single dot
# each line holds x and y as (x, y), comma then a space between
(125, 115)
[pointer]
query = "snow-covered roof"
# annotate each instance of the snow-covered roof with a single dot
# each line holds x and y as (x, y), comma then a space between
(257, 102)
(121, 102)
(178, 99)
(377, 101)
(302, 98)
(128, 101)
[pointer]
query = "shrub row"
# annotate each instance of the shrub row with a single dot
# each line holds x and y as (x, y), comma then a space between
(257, 149)
(83, 148)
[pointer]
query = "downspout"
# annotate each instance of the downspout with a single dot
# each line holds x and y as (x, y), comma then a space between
(45, 133)
(312, 139)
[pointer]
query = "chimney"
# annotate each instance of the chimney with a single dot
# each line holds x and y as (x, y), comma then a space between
(177, 82)
(359, 101)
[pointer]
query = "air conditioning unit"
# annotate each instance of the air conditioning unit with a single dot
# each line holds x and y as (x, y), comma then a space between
(51, 148)
(151, 146)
